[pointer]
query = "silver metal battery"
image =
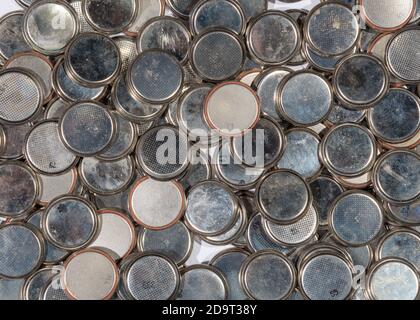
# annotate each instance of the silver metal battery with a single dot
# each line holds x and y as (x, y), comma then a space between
(34, 284)
(165, 33)
(273, 38)
(77, 6)
(155, 77)
(348, 150)
(21, 97)
(393, 279)
(252, 8)
(283, 196)
(70, 223)
(98, 14)
(92, 59)
(49, 25)
(147, 9)
(355, 218)
(404, 214)
(156, 205)
(26, 244)
(340, 115)
(90, 274)
(212, 208)
(202, 282)
(128, 50)
(44, 150)
(53, 290)
(159, 280)
(360, 81)
(225, 14)
(396, 177)
(301, 153)
(401, 57)
(22, 193)
(331, 29)
(388, 15)
(15, 140)
(396, 118)
(268, 275)
(227, 52)
(12, 40)
(87, 128)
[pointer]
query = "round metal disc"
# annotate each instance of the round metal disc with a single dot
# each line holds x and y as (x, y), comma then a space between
(175, 242)
(401, 243)
(326, 277)
(197, 172)
(331, 29)
(162, 152)
(202, 282)
(257, 238)
(211, 209)
(361, 256)
(87, 128)
(229, 262)
(266, 86)
(90, 274)
(57, 185)
(106, 177)
(116, 234)
(221, 110)
(152, 277)
(21, 96)
(227, 52)
(319, 62)
(396, 177)
(360, 80)
(110, 16)
(20, 190)
(252, 8)
(304, 98)
(301, 153)
(44, 150)
(396, 118)
(273, 38)
(225, 14)
(268, 275)
(340, 114)
(166, 33)
(70, 223)
(49, 25)
(22, 250)
(325, 190)
(234, 174)
(248, 76)
(156, 205)
(92, 59)
(356, 218)
(294, 234)
(53, 254)
(12, 40)
(155, 77)
(273, 143)
(131, 109)
(348, 150)
(283, 196)
(401, 55)
(77, 6)
(299, 15)
(147, 9)
(53, 291)
(387, 15)
(15, 140)
(34, 285)
(36, 63)
(70, 90)
(393, 279)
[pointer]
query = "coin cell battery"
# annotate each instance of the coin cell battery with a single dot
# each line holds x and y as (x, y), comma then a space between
(147, 9)
(156, 205)
(232, 108)
(12, 40)
(48, 26)
(90, 274)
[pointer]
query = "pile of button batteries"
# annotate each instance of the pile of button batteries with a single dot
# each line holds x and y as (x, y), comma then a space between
(94, 94)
